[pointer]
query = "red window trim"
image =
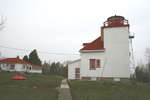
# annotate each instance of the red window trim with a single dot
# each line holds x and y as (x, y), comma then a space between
(97, 65)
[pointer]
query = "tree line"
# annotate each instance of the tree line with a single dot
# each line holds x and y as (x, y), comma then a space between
(142, 71)
(55, 68)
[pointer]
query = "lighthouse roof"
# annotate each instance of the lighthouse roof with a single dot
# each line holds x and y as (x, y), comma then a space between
(97, 44)
(115, 21)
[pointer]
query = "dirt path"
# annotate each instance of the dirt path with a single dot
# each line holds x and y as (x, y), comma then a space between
(64, 92)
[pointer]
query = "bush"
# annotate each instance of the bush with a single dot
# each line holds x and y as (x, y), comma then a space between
(142, 74)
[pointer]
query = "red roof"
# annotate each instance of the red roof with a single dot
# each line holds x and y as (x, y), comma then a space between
(15, 60)
(94, 45)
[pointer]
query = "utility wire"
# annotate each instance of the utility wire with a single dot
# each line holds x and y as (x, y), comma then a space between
(19, 49)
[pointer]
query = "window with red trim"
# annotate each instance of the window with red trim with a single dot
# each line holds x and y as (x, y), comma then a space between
(94, 63)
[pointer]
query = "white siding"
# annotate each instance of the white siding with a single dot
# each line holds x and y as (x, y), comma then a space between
(85, 67)
(71, 69)
(19, 68)
(36, 70)
(116, 42)
(4, 67)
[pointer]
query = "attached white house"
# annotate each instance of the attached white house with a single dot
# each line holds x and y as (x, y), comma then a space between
(107, 57)
(18, 65)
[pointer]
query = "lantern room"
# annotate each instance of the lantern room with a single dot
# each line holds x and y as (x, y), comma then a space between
(116, 21)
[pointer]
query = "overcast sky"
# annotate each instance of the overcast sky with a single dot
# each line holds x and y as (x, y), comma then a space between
(61, 26)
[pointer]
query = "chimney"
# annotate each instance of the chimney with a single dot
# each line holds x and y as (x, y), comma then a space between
(17, 57)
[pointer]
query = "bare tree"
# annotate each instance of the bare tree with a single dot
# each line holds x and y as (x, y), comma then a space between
(147, 55)
(142, 71)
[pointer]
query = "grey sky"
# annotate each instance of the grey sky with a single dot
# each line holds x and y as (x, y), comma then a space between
(61, 26)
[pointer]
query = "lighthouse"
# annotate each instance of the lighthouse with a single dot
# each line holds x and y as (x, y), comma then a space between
(106, 57)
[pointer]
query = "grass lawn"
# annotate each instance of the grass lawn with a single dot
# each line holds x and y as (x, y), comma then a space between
(90, 90)
(36, 87)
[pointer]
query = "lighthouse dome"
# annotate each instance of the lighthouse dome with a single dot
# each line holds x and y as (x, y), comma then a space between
(116, 21)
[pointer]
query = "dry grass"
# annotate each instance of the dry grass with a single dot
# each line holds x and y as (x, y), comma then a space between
(36, 87)
(90, 90)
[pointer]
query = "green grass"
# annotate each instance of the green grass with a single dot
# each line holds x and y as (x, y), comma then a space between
(90, 90)
(36, 87)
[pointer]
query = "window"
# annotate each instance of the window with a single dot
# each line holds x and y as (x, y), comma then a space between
(77, 73)
(94, 63)
(12, 66)
(98, 63)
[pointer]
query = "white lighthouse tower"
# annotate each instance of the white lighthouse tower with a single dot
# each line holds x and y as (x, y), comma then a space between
(115, 34)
